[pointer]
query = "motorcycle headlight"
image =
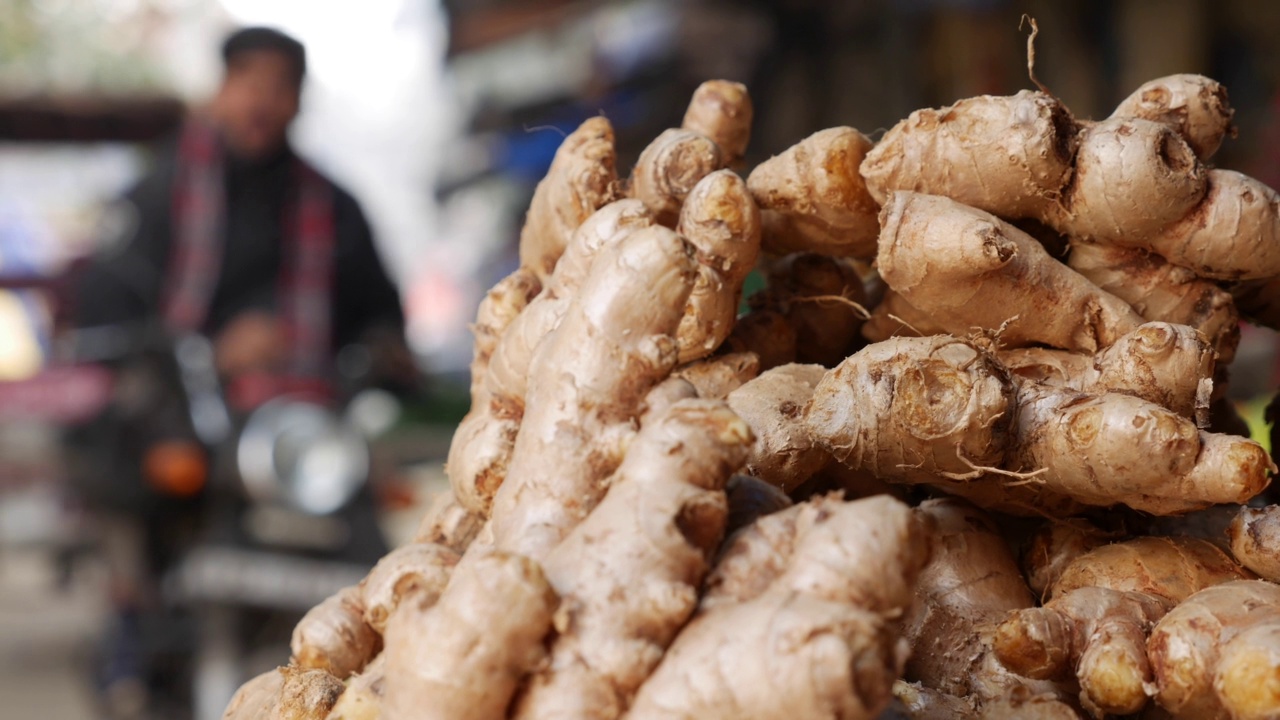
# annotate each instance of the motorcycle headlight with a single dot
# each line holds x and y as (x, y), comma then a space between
(303, 455)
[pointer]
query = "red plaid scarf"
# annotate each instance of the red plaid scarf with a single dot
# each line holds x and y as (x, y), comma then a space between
(306, 266)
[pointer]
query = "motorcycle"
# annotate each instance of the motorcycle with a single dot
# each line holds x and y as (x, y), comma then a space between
(254, 497)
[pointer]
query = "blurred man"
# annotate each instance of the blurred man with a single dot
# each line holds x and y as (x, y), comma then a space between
(239, 238)
(235, 237)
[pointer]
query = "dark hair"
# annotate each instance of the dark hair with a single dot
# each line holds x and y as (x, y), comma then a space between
(254, 39)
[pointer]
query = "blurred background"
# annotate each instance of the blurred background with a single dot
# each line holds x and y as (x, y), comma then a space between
(440, 116)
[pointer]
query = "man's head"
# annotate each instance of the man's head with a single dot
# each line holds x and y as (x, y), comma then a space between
(260, 90)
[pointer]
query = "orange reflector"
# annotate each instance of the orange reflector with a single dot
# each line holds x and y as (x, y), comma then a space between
(176, 467)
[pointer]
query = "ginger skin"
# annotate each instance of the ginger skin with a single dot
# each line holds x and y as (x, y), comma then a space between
(663, 517)
(813, 198)
(819, 642)
(943, 257)
(582, 179)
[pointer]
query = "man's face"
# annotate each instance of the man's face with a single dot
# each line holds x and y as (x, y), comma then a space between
(257, 101)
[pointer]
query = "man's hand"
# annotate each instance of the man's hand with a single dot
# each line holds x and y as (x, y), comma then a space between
(253, 342)
(391, 362)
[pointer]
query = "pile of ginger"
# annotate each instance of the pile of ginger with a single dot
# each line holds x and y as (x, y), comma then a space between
(958, 459)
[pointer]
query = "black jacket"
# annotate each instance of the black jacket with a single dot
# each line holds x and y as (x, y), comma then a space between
(124, 282)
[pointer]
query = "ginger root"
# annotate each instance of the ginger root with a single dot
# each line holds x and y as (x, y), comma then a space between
(1104, 602)
(1084, 443)
(333, 636)
(616, 341)
(662, 518)
(462, 658)
(721, 221)
(583, 178)
(1233, 234)
(814, 200)
(485, 439)
(722, 111)
(419, 569)
(717, 376)
(910, 409)
(1255, 540)
(962, 594)
(943, 258)
(819, 642)
(1168, 567)
(1096, 635)
(1194, 106)
(823, 300)
(895, 317)
(1010, 156)
(362, 700)
(1133, 178)
(1169, 365)
(1214, 657)
(773, 406)
(1160, 291)
(499, 308)
(447, 524)
(669, 168)
(765, 333)
(286, 693)
(1050, 550)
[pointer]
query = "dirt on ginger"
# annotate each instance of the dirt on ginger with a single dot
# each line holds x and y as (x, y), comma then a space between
(964, 591)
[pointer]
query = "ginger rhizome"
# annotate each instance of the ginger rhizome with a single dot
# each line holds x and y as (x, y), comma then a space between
(1214, 656)
(668, 170)
(1193, 106)
(722, 111)
(964, 591)
(813, 198)
(942, 257)
(938, 409)
(773, 405)
(1169, 365)
(334, 636)
(1102, 606)
(1010, 156)
(662, 519)
(583, 178)
(1161, 291)
(286, 693)
(1255, 540)
(464, 655)
(819, 640)
(1017, 322)
(722, 223)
